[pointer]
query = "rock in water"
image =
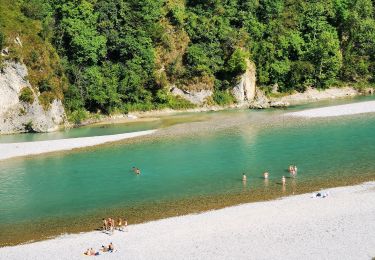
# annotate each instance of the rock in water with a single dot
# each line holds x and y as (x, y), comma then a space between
(18, 116)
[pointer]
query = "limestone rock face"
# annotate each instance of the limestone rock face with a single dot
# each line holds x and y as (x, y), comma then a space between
(18, 116)
(261, 101)
(195, 97)
(244, 91)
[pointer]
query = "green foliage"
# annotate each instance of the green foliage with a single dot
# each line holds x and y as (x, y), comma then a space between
(44, 85)
(122, 55)
(164, 99)
(223, 98)
(36, 9)
(77, 116)
(237, 62)
(26, 95)
(2, 40)
(78, 34)
(29, 127)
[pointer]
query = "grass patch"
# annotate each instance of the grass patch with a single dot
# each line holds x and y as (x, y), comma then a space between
(26, 95)
(223, 97)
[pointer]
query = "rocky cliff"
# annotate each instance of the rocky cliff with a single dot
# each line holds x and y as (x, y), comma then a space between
(25, 114)
(244, 91)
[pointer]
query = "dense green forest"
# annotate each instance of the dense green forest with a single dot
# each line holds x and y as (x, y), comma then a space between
(118, 55)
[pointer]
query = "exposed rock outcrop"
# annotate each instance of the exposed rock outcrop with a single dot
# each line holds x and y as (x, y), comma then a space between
(260, 101)
(195, 97)
(244, 91)
(19, 116)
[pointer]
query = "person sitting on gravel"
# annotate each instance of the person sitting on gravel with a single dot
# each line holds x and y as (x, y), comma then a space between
(111, 248)
(104, 249)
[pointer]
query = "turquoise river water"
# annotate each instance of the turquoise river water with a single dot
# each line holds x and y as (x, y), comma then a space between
(204, 157)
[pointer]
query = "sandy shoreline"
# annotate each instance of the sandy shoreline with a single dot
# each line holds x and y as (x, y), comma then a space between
(340, 226)
(340, 110)
(10, 150)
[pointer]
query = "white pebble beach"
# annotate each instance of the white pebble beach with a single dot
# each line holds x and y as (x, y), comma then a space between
(340, 226)
(10, 150)
(340, 110)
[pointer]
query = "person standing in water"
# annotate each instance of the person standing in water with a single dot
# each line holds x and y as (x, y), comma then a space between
(244, 177)
(265, 175)
(283, 180)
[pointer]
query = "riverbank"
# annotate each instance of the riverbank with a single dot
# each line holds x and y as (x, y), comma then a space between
(11, 150)
(309, 96)
(340, 226)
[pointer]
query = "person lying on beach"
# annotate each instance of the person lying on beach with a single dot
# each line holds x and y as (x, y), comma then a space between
(104, 249)
(91, 252)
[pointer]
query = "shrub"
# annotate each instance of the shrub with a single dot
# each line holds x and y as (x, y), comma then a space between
(237, 62)
(26, 95)
(29, 127)
(44, 85)
(179, 103)
(223, 98)
(77, 116)
(36, 9)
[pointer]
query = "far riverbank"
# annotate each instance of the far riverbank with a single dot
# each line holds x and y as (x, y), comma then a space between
(309, 96)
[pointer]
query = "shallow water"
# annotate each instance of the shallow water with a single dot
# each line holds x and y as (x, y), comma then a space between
(192, 163)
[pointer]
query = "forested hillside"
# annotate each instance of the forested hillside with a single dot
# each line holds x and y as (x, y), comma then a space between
(120, 55)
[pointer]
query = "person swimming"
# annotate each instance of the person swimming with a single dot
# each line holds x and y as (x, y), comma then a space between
(136, 170)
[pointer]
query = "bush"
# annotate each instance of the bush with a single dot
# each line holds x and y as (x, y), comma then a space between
(29, 127)
(223, 98)
(179, 103)
(27, 95)
(237, 62)
(36, 9)
(44, 85)
(77, 116)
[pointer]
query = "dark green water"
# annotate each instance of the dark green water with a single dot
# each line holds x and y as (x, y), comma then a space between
(180, 166)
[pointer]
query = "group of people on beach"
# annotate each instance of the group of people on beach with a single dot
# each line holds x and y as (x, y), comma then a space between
(91, 252)
(292, 170)
(109, 225)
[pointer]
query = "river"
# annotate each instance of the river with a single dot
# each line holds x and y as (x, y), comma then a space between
(194, 162)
